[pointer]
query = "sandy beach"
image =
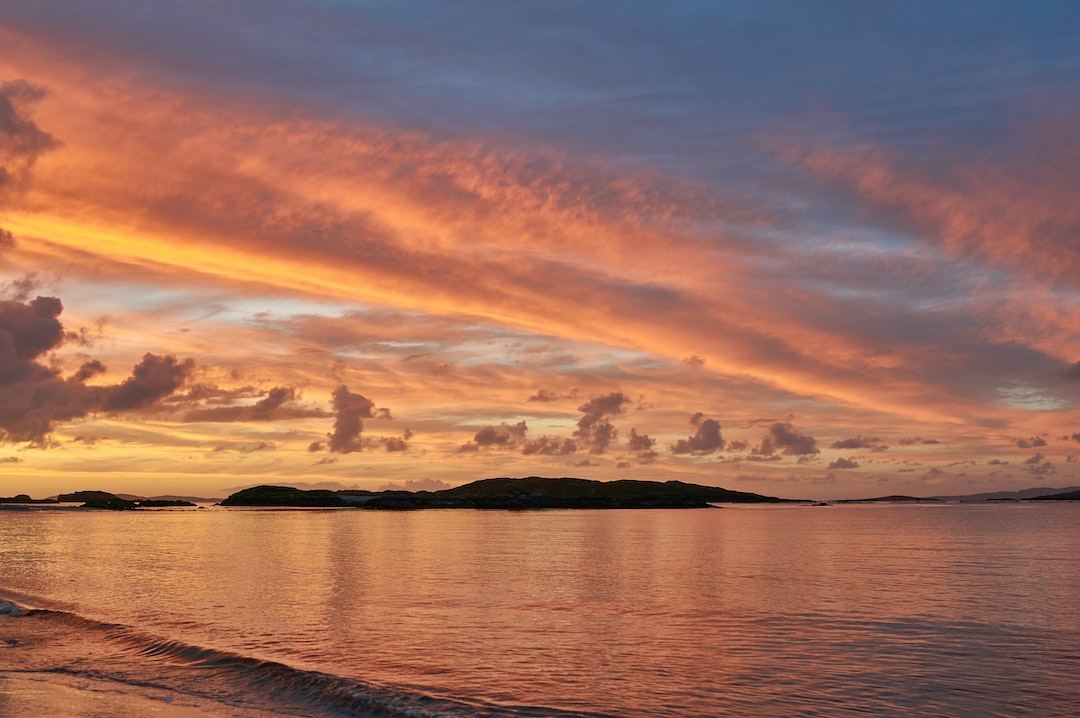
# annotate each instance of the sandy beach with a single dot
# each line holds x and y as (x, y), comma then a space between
(35, 681)
(35, 694)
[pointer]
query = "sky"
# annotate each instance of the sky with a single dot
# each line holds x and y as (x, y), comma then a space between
(805, 249)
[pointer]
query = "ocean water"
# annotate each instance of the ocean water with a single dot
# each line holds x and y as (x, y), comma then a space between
(854, 610)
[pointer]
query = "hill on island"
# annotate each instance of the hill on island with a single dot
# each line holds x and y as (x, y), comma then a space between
(510, 493)
(1073, 495)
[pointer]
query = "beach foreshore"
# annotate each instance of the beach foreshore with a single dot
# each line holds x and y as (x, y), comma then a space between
(33, 694)
(66, 673)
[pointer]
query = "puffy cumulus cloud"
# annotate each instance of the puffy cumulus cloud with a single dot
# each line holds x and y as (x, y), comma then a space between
(350, 410)
(705, 440)
(1073, 437)
(1032, 442)
(275, 405)
(640, 442)
(26, 332)
(153, 379)
(1035, 459)
(595, 430)
(503, 436)
(10, 460)
(549, 446)
(843, 463)
(34, 396)
(785, 439)
(396, 443)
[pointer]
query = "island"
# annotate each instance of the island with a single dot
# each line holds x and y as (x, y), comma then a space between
(1066, 496)
(112, 502)
(533, 492)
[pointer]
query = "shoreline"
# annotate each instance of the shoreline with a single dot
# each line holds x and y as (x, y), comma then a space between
(31, 694)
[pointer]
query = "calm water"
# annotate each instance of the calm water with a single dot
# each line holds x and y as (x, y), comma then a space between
(967, 610)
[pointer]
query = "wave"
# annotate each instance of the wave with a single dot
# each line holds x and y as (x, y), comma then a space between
(140, 659)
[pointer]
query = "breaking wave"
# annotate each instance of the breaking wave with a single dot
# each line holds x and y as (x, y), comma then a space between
(138, 658)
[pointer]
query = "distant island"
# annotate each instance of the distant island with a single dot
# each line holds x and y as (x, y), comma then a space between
(100, 500)
(533, 492)
(1067, 496)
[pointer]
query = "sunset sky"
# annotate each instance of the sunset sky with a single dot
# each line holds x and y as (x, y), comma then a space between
(805, 249)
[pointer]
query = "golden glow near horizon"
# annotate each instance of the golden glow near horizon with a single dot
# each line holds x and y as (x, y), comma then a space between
(826, 316)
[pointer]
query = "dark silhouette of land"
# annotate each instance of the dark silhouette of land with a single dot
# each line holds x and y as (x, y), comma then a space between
(24, 499)
(894, 499)
(1073, 495)
(533, 492)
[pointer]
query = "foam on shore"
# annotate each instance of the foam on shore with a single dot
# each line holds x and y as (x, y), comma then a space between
(59, 663)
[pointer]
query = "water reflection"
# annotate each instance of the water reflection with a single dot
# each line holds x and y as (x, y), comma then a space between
(764, 611)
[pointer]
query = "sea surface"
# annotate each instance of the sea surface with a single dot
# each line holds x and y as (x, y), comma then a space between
(847, 610)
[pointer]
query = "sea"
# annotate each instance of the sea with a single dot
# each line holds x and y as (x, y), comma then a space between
(739, 610)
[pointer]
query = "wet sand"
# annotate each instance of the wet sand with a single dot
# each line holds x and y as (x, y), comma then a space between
(34, 682)
(33, 695)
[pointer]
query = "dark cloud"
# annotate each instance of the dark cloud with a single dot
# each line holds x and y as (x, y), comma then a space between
(857, 442)
(595, 430)
(21, 140)
(397, 443)
(28, 330)
(996, 462)
(549, 446)
(7, 240)
(275, 405)
(1042, 469)
(316, 446)
(784, 438)
(705, 440)
(1032, 442)
(153, 379)
(640, 442)
(21, 289)
(546, 396)
(1074, 437)
(10, 460)
(34, 396)
(247, 448)
(647, 457)
(843, 463)
(1034, 459)
(1073, 372)
(503, 436)
(917, 440)
(350, 411)
(89, 370)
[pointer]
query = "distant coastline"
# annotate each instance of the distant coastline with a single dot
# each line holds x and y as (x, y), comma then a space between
(533, 492)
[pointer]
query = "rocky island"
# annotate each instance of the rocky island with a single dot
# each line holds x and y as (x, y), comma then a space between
(533, 492)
